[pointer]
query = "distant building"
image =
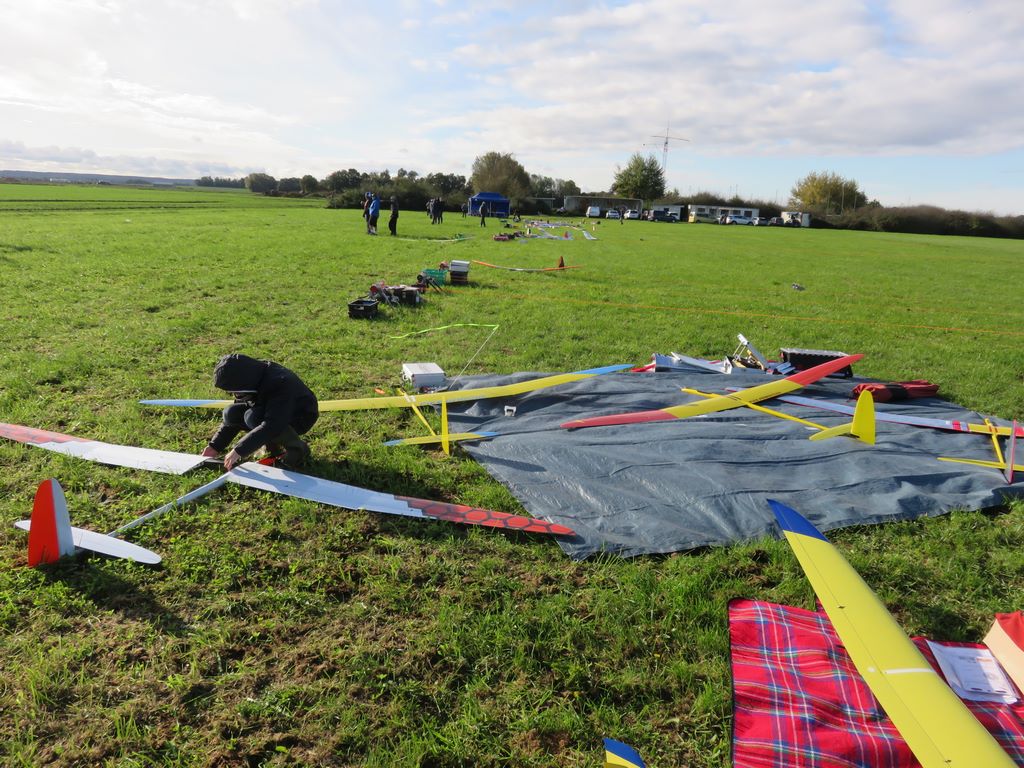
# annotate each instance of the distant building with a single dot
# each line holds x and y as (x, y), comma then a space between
(716, 212)
(580, 203)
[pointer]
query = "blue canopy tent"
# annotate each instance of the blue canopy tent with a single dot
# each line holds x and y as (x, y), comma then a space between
(497, 205)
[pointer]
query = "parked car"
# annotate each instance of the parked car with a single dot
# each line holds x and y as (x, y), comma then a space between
(760, 221)
(632, 213)
(662, 216)
(776, 221)
(593, 212)
(734, 219)
(612, 214)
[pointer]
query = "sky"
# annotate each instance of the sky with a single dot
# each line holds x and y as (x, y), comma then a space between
(919, 101)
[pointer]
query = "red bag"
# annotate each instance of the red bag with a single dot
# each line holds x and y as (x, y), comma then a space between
(898, 390)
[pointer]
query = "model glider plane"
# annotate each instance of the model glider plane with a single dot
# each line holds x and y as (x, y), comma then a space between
(862, 427)
(1004, 460)
(276, 480)
(427, 398)
(722, 402)
(441, 397)
(939, 729)
(908, 419)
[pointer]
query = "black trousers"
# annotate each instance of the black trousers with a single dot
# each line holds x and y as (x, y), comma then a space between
(240, 417)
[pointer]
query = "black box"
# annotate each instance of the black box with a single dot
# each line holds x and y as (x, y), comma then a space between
(409, 296)
(802, 359)
(363, 308)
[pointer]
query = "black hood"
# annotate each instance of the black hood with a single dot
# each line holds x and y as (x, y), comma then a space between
(239, 373)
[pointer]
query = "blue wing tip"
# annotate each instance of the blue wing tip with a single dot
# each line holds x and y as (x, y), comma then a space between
(792, 521)
(623, 751)
(606, 369)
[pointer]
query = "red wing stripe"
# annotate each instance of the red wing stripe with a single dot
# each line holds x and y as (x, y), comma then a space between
(811, 375)
(22, 434)
(619, 418)
(458, 513)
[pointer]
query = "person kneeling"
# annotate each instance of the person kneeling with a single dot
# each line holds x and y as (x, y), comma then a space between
(272, 406)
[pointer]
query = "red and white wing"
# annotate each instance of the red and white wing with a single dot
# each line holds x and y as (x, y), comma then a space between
(167, 462)
(338, 494)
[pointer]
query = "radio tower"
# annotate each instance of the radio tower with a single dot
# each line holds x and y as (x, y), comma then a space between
(664, 147)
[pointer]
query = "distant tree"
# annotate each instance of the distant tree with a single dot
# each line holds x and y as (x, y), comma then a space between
(446, 184)
(412, 195)
(291, 184)
(261, 183)
(502, 173)
(309, 184)
(375, 181)
(704, 197)
(342, 180)
(641, 178)
(565, 187)
(826, 193)
(207, 181)
(542, 186)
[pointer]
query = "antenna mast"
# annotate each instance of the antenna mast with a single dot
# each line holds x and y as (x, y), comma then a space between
(664, 148)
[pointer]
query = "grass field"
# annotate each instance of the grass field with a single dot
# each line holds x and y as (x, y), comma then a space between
(280, 632)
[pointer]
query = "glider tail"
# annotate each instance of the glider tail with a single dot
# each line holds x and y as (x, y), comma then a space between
(1004, 459)
(863, 425)
(1011, 454)
(50, 537)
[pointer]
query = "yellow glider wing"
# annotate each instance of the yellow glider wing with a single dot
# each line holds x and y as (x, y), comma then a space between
(430, 398)
(939, 729)
(722, 402)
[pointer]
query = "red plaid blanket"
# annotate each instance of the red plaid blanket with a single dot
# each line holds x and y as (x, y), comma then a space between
(798, 701)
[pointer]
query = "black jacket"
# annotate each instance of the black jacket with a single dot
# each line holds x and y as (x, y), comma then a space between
(285, 401)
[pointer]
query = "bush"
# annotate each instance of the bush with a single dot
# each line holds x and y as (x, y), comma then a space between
(930, 220)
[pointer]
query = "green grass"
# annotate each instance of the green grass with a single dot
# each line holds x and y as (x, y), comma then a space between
(279, 632)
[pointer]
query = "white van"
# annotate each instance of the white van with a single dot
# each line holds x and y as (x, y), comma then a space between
(593, 212)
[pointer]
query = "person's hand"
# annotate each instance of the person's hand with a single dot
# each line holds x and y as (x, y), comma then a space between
(210, 453)
(232, 460)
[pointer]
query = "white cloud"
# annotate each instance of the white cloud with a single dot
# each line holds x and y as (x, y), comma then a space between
(571, 87)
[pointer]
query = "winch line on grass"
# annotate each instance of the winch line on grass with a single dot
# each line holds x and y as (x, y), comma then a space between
(444, 328)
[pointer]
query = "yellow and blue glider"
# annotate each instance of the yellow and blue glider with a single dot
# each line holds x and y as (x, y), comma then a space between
(722, 402)
(939, 729)
(429, 398)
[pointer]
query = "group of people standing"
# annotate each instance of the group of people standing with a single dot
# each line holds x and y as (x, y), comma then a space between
(371, 212)
(435, 209)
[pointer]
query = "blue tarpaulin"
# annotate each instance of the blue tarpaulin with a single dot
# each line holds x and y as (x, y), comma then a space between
(675, 485)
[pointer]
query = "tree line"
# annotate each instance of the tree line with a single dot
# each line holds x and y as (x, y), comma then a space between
(832, 200)
(492, 172)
